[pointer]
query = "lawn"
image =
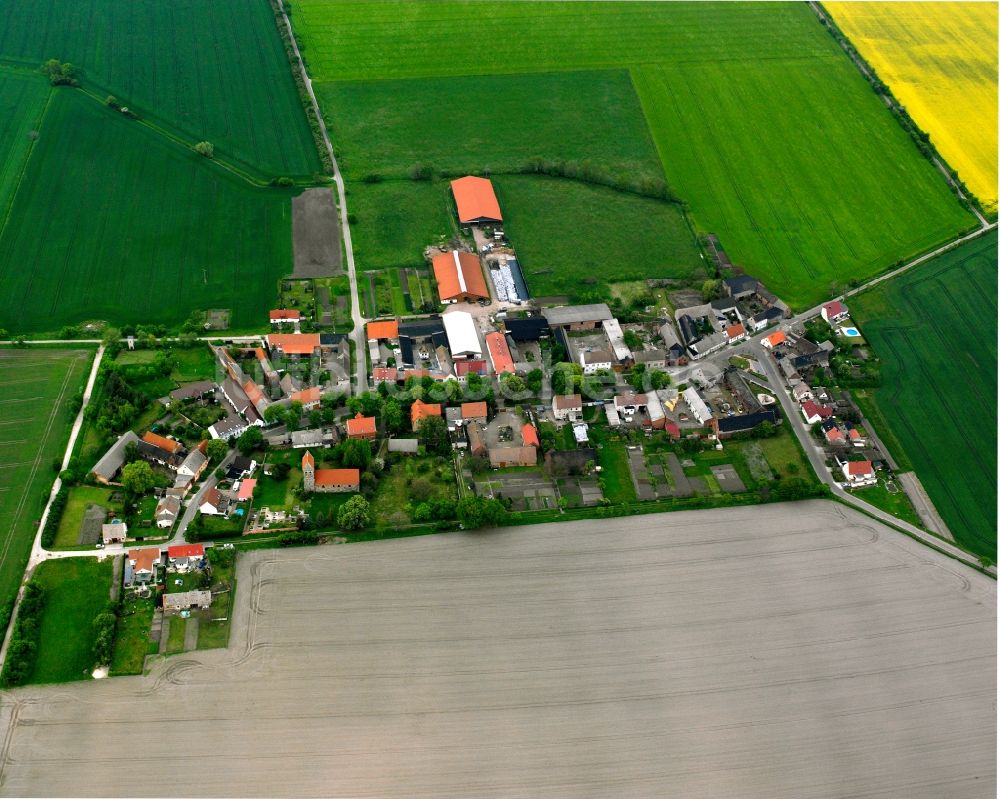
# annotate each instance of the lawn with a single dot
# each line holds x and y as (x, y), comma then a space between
(762, 124)
(76, 591)
(34, 426)
(940, 61)
(175, 635)
(275, 494)
(204, 71)
(784, 455)
(132, 642)
(191, 365)
(80, 498)
(930, 327)
(214, 625)
(898, 504)
(407, 483)
(131, 227)
(564, 228)
(616, 478)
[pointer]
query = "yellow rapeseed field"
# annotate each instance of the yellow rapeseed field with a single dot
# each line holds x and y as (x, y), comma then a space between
(940, 60)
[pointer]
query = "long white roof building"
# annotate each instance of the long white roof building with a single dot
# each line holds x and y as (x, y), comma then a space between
(463, 340)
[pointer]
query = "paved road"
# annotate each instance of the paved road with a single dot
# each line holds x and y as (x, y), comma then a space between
(192, 507)
(358, 333)
(793, 650)
(818, 461)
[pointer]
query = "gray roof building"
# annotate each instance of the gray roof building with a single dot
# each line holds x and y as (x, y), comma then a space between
(109, 465)
(576, 314)
(408, 446)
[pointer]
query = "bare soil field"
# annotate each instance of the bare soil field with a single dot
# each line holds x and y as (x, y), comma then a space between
(781, 651)
(315, 234)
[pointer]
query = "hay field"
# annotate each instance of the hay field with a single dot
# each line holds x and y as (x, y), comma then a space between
(940, 60)
(761, 124)
(38, 386)
(114, 221)
(932, 328)
(214, 71)
(778, 651)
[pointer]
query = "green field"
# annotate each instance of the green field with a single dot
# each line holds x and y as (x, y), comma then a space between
(76, 591)
(118, 222)
(22, 102)
(761, 123)
(933, 330)
(204, 71)
(80, 498)
(34, 426)
(562, 227)
(132, 642)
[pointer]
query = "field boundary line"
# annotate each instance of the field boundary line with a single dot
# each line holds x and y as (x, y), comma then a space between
(27, 159)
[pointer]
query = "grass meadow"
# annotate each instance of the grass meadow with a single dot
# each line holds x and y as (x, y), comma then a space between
(23, 97)
(940, 60)
(34, 426)
(113, 221)
(76, 591)
(205, 71)
(931, 329)
(761, 124)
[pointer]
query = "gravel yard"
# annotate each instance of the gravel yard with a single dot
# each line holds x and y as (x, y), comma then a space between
(777, 651)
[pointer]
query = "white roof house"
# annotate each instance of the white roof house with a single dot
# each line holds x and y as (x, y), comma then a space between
(463, 340)
(616, 338)
(697, 405)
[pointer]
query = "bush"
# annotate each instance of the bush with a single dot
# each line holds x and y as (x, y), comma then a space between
(282, 181)
(104, 635)
(54, 517)
(24, 640)
(298, 537)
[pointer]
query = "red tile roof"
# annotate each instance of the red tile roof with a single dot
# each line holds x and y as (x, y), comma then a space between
(734, 331)
(473, 410)
(568, 401)
(776, 338)
(859, 468)
(834, 308)
(385, 329)
(361, 426)
(338, 477)
(496, 343)
(308, 460)
(408, 373)
(294, 343)
(253, 392)
(306, 396)
(475, 199)
(459, 275)
(166, 444)
(420, 410)
(144, 559)
(285, 314)
(672, 429)
(530, 435)
(186, 551)
(385, 373)
(463, 368)
(812, 409)
(246, 489)
(834, 434)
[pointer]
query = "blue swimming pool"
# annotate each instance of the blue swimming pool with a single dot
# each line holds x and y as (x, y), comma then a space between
(850, 331)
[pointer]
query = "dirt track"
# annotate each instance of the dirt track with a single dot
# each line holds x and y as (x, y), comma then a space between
(783, 651)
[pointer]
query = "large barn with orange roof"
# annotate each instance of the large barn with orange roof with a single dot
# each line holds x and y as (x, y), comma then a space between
(459, 277)
(476, 201)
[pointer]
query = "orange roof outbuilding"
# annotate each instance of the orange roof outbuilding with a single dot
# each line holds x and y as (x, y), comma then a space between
(476, 200)
(388, 328)
(459, 276)
(500, 355)
(361, 426)
(307, 396)
(166, 444)
(294, 343)
(530, 435)
(474, 410)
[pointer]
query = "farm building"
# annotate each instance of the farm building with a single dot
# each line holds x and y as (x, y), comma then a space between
(463, 341)
(109, 465)
(459, 277)
(500, 355)
(697, 405)
(309, 397)
(406, 446)
(476, 201)
(386, 330)
(186, 600)
(578, 317)
(293, 344)
(532, 329)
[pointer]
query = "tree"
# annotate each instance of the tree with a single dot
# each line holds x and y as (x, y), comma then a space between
(534, 380)
(392, 416)
(711, 290)
(632, 340)
(205, 148)
(433, 434)
(421, 489)
(476, 512)
(274, 414)
(512, 385)
(353, 514)
(138, 477)
(356, 452)
(60, 74)
(216, 449)
(112, 102)
(250, 439)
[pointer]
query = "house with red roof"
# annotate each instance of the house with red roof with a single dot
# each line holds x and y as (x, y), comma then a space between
(772, 341)
(383, 330)
(361, 426)
(736, 333)
(183, 557)
(815, 413)
(529, 436)
(293, 345)
(465, 368)
(285, 317)
(858, 473)
(246, 489)
(834, 311)
(142, 565)
(421, 410)
(474, 412)
(309, 397)
(499, 351)
(384, 374)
